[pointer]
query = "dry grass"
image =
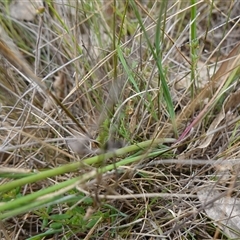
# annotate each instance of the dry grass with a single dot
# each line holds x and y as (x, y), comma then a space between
(81, 94)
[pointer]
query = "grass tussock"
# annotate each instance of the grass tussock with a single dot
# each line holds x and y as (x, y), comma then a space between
(119, 119)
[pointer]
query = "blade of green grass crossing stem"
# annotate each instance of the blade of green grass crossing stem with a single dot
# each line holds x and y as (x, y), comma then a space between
(20, 203)
(126, 68)
(72, 167)
(166, 91)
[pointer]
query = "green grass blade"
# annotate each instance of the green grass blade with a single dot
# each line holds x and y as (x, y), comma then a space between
(157, 58)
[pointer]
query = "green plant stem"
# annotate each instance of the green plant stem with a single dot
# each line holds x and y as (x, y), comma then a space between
(193, 46)
(72, 167)
(18, 206)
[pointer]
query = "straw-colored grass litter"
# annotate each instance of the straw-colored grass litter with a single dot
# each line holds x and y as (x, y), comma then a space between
(119, 119)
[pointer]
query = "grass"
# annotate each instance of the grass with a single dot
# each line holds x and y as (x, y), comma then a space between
(119, 119)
